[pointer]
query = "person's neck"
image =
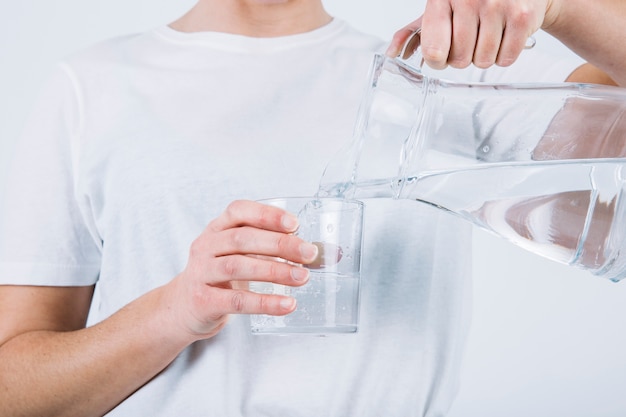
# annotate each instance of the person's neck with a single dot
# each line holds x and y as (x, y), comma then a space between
(256, 18)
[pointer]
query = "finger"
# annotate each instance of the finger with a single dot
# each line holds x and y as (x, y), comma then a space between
(521, 23)
(513, 42)
(252, 268)
(248, 240)
(255, 214)
(464, 35)
(400, 38)
(436, 37)
(490, 34)
(328, 254)
(226, 301)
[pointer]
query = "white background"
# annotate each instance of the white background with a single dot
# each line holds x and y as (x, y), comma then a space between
(547, 340)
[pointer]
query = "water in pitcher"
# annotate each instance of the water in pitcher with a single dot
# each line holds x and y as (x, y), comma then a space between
(578, 220)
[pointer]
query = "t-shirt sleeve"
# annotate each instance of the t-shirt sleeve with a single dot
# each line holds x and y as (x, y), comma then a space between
(46, 237)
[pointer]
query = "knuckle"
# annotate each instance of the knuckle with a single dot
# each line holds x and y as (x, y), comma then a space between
(234, 206)
(483, 63)
(266, 214)
(254, 268)
(230, 209)
(460, 63)
(436, 65)
(272, 270)
(491, 7)
(238, 301)
(398, 36)
(282, 243)
(507, 57)
(228, 266)
(505, 61)
(238, 238)
(434, 55)
(200, 298)
(233, 210)
(196, 249)
(262, 304)
(521, 17)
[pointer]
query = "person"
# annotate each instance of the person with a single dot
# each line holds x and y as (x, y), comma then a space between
(137, 175)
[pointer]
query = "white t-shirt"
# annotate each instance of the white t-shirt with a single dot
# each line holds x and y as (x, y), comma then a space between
(138, 142)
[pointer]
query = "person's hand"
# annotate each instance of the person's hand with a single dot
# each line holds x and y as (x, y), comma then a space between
(483, 32)
(241, 245)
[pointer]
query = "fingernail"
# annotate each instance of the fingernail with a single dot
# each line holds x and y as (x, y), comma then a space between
(309, 251)
(287, 303)
(290, 222)
(299, 274)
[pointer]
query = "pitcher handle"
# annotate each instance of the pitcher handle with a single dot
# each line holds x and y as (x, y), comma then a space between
(411, 55)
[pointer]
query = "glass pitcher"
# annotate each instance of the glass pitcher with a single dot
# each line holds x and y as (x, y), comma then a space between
(541, 165)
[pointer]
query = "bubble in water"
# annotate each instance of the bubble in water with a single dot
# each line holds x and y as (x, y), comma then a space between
(486, 148)
(330, 228)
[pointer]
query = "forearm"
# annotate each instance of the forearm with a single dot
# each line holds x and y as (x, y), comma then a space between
(595, 30)
(89, 371)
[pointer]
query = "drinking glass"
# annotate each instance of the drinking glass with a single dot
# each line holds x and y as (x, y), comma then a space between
(329, 302)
